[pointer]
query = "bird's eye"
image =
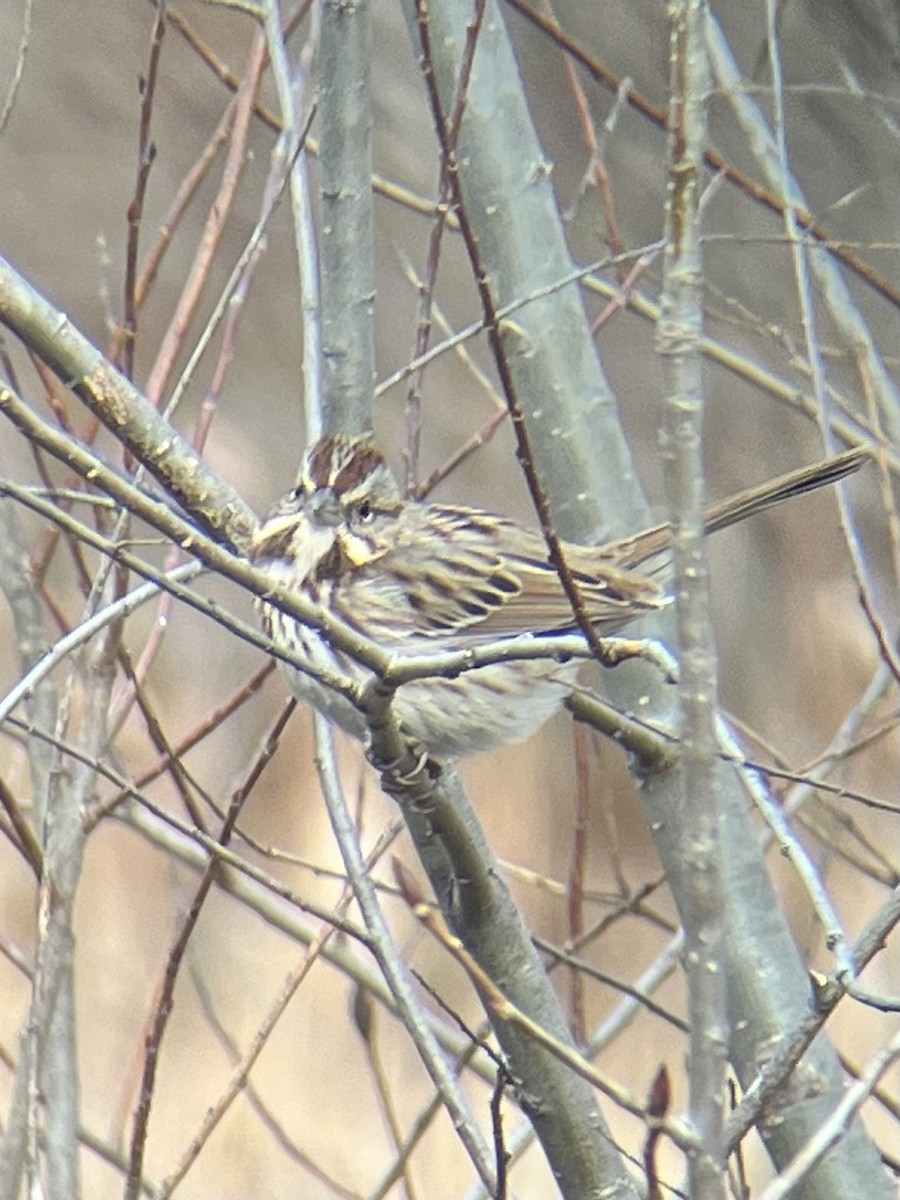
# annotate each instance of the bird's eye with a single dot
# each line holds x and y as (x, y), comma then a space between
(364, 511)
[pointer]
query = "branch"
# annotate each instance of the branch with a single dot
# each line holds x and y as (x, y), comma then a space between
(700, 899)
(348, 279)
(122, 409)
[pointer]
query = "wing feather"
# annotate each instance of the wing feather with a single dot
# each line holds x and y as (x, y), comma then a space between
(410, 594)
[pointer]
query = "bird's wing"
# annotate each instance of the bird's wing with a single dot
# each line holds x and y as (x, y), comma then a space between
(447, 572)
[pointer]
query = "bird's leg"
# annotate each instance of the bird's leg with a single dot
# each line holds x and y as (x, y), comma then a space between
(408, 766)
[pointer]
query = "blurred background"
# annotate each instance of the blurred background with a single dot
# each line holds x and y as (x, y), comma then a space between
(796, 651)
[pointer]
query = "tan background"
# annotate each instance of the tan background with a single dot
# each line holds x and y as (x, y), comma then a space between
(794, 648)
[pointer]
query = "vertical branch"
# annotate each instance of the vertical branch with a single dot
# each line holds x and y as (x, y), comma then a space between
(52, 1016)
(701, 898)
(32, 644)
(446, 193)
(836, 296)
(146, 154)
(290, 98)
(800, 255)
(348, 282)
(15, 83)
(188, 924)
(575, 882)
(500, 335)
(213, 232)
(580, 452)
(392, 967)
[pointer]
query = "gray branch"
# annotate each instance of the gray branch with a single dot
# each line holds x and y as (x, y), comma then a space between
(348, 282)
(584, 464)
(122, 409)
(700, 898)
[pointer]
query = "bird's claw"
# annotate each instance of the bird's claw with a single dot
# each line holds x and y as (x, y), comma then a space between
(403, 771)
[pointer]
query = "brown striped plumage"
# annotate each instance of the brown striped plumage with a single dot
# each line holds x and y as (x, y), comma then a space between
(423, 577)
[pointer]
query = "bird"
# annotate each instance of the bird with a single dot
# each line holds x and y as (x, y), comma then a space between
(421, 577)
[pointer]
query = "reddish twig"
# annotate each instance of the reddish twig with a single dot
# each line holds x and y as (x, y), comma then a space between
(713, 160)
(197, 735)
(219, 212)
(478, 439)
(657, 1107)
(198, 441)
(501, 1154)
(492, 324)
(145, 156)
(163, 1008)
(25, 840)
(575, 889)
(623, 293)
(596, 166)
(449, 140)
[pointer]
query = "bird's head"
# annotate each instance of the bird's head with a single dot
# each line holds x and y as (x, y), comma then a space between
(343, 488)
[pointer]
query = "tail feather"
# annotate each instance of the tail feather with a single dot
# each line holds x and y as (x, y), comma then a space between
(795, 483)
(638, 551)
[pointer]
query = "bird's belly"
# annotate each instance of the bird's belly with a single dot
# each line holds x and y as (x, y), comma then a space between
(475, 711)
(452, 718)
(482, 709)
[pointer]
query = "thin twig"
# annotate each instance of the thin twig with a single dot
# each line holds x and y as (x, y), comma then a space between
(146, 152)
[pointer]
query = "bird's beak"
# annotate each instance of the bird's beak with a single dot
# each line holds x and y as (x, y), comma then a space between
(324, 509)
(275, 537)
